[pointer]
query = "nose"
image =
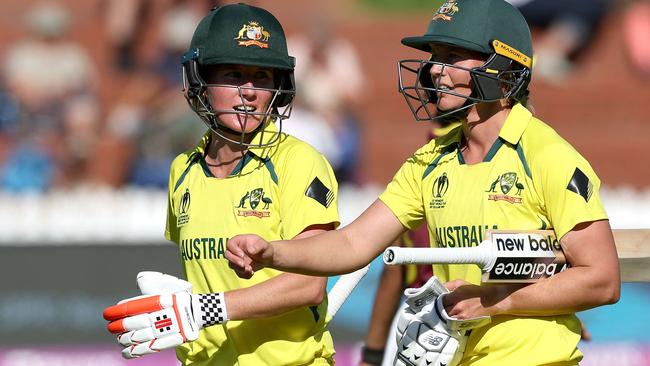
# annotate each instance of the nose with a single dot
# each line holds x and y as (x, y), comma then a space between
(247, 90)
(436, 70)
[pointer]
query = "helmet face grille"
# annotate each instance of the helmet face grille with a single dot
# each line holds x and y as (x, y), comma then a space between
(488, 85)
(197, 93)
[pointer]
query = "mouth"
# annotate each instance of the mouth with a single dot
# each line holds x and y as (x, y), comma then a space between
(244, 108)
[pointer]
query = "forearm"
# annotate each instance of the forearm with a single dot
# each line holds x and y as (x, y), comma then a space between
(573, 290)
(340, 251)
(277, 295)
(327, 254)
(593, 279)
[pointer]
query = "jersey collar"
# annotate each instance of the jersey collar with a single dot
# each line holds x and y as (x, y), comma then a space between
(269, 133)
(515, 124)
(263, 137)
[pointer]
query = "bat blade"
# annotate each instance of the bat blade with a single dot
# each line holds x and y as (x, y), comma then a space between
(633, 247)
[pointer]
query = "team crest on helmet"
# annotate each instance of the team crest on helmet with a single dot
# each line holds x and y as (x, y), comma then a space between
(506, 182)
(253, 34)
(446, 11)
(253, 198)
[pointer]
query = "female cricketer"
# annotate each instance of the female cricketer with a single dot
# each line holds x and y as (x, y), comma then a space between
(503, 168)
(244, 176)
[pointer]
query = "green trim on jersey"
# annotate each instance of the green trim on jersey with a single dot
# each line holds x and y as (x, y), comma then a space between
(265, 197)
(434, 163)
(522, 157)
(192, 160)
(493, 150)
(524, 185)
(269, 166)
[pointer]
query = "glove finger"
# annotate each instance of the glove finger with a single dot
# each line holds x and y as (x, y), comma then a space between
(136, 336)
(141, 305)
(150, 282)
(153, 346)
(130, 323)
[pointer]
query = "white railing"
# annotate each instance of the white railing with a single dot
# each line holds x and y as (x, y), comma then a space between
(105, 216)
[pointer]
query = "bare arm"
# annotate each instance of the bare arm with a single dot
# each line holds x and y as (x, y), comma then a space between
(278, 294)
(383, 310)
(330, 253)
(593, 280)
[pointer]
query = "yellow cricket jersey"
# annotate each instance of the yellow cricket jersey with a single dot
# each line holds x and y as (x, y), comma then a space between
(275, 192)
(530, 179)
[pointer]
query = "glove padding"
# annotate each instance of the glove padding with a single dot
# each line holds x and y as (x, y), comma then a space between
(416, 299)
(151, 323)
(430, 337)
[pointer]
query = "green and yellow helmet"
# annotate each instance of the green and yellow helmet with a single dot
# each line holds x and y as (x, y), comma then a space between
(238, 34)
(491, 27)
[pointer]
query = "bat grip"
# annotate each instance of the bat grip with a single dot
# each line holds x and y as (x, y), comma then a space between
(342, 289)
(480, 256)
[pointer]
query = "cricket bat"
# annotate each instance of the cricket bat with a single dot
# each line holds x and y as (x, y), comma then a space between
(342, 290)
(527, 256)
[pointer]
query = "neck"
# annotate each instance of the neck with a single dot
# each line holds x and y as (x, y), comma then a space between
(481, 129)
(222, 156)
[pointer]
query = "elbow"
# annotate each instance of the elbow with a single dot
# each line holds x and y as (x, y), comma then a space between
(315, 298)
(613, 294)
(315, 294)
(610, 291)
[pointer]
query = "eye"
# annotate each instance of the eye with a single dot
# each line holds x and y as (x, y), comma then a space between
(453, 57)
(232, 74)
(263, 75)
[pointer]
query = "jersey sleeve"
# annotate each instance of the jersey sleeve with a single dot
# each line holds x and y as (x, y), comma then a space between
(309, 191)
(570, 188)
(403, 195)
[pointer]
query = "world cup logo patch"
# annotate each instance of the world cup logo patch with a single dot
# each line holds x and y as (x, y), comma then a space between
(438, 191)
(183, 209)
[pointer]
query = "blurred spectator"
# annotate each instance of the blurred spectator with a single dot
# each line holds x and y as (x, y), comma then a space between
(129, 23)
(330, 77)
(49, 110)
(314, 129)
(125, 22)
(152, 114)
(568, 26)
(636, 29)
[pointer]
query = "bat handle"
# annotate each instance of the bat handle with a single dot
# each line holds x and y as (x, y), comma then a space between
(481, 256)
(342, 289)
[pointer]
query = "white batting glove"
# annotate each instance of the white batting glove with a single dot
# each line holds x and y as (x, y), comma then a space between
(416, 299)
(150, 323)
(431, 337)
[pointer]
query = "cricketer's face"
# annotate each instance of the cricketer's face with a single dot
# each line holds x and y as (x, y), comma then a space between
(450, 74)
(240, 95)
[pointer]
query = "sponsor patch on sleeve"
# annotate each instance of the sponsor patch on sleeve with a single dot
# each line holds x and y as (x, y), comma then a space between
(318, 191)
(581, 185)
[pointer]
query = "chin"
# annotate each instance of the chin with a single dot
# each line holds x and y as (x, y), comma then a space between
(234, 124)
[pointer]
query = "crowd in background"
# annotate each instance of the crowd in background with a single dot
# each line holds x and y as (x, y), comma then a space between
(57, 129)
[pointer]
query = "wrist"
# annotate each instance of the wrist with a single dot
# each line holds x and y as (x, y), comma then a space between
(500, 298)
(372, 356)
(212, 309)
